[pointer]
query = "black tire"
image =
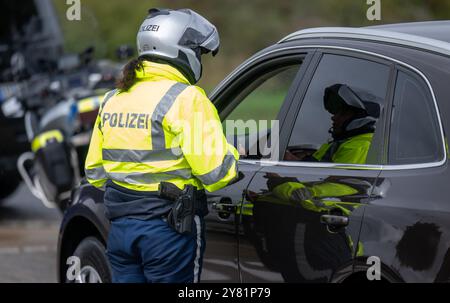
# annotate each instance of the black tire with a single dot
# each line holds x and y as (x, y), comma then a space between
(8, 186)
(92, 255)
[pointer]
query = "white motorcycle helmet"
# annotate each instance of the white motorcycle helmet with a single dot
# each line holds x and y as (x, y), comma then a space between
(179, 37)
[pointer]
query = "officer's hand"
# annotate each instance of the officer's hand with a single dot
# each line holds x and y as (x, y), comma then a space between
(288, 156)
(241, 150)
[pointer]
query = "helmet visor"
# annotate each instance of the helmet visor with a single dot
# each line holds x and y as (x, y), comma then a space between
(200, 33)
(339, 97)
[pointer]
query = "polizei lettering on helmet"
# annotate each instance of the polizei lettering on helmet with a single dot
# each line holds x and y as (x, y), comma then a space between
(150, 28)
(128, 120)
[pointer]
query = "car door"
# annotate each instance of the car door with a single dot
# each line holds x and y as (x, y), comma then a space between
(406, 227)
(303, 218)
(257, 92)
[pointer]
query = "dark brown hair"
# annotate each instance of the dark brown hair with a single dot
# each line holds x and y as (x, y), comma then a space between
(129, 74)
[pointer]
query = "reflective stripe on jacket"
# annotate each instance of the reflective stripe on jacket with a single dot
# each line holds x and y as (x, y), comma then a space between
(162, 129)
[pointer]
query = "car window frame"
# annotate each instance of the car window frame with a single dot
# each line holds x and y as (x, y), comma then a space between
(417, 75)
(380, 135)
(313, 50)
(255, 75)
(255, 67)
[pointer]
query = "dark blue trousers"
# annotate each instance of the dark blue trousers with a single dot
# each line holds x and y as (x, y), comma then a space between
(150, 251)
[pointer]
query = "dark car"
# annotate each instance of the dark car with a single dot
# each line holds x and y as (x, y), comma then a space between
(300, 221)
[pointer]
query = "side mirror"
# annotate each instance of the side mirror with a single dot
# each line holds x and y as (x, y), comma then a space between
(124, 52)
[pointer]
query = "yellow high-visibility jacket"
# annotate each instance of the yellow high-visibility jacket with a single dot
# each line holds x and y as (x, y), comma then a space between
(354, 150)
(162, 129)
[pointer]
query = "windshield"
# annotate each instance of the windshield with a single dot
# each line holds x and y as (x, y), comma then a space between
(82, 34)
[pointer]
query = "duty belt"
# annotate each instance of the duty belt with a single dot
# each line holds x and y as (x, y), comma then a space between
(188, 203)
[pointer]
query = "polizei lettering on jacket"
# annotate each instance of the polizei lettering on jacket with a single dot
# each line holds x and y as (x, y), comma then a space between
(126, 120)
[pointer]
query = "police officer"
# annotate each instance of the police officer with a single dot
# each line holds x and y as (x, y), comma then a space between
(354, 115)
(157, 126)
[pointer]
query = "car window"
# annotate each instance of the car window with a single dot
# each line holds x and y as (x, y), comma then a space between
(340, 111)
(257, 106)
(414, 132)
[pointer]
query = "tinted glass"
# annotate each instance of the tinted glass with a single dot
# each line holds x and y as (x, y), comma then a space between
(414, 135)
(368, 79)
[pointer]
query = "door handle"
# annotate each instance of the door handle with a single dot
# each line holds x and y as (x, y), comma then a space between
(224, 207)
(334, 221)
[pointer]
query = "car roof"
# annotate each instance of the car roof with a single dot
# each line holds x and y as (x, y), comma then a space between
(438, 30)
(429, 35)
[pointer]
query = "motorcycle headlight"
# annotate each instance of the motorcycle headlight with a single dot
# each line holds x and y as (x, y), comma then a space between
(94, 78)
(55, 86)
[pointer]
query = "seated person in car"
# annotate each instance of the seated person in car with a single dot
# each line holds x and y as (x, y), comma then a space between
(352, 130)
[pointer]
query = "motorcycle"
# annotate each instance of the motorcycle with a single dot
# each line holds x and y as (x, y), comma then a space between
(58, 123)
(30, 43)
(48, 98)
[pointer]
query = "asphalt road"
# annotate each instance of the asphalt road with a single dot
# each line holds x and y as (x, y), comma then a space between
(28, 239)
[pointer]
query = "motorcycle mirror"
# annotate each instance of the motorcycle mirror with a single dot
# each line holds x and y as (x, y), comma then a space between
(87, 55)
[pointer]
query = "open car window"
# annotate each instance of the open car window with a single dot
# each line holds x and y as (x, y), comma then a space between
(254, 110)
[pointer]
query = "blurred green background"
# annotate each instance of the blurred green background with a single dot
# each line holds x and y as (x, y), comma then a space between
(244, 26)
